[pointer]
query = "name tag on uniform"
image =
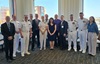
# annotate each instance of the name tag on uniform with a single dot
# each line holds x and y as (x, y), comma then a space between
(62, 26)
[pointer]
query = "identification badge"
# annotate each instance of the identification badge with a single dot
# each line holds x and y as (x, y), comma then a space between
(62, 26)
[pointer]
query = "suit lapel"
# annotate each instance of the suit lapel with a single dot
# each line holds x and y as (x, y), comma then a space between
(6, 26)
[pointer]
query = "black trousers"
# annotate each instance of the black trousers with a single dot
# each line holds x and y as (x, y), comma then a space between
(56, 40)
(8, 49)
(35, 33)
(62, 40)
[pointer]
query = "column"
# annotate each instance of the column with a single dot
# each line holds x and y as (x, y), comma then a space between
(67, 7)
(24, 7)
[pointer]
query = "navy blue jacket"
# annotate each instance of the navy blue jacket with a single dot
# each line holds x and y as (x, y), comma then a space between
(6, 32)
(35, 25)
(63, 28)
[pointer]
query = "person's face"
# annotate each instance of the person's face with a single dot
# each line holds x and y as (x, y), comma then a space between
(26, 18)
(56, 16)
(14, 18)
(31, 16)
(7, 19)
(51, 20)
(81, 16)
(42, 18)
(46, 16)
(36, 16)
(71, 17)
(62, 17)
(91, 19)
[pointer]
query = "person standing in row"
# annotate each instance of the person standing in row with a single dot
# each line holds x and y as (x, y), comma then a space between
(31, 42)
(8, 31)
(31, 18)
(51, 33)
(17, 35)
(25, 32)
(46, 18)
(92, 36)
(63, 33)
(35, 29)
(47, 21)
(43, 33)
(82, 29)
(57, 22)
(72, 33)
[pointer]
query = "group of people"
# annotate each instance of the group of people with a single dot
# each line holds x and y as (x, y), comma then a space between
(53, 30)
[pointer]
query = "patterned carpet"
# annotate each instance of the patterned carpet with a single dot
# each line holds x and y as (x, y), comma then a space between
(55, 56)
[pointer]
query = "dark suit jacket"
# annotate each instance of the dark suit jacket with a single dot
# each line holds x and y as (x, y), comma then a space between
(35, 25)
(63, 28)
(5, 30)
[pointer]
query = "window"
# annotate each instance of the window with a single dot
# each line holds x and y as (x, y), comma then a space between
(49, 7)
(91, 8)
(4, 10)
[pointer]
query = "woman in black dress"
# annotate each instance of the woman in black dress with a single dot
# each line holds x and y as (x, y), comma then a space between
(51, 32)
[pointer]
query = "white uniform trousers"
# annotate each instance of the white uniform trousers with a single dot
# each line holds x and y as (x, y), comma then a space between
(16, 43)
(92, 43)
(72, 36)
(24, 42)
(43, 40)
(82, 37)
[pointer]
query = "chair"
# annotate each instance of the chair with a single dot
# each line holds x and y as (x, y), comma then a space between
(1, 42)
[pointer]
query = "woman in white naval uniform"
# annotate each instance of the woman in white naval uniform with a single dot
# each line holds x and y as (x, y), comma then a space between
(82, 30)
(43, 33)
(72, 33)
(16, 37)
(25, 32)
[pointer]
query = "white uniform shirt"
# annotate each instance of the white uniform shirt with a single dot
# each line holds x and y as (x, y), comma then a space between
(31, 21)
(26, 26)
(17, 25)
(72, 26)
(43, 25)
(82, 24)
(47, 21)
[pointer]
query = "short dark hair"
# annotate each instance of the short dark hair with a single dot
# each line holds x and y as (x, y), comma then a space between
(81, 12)
(71, 14)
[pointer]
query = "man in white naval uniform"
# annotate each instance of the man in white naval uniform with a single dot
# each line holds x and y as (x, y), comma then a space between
(82, 30)
(16, 37)
(43, 33)
(72, 33)
(25, 31)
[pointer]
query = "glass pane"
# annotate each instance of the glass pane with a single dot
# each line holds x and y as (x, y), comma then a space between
(91, 8)
(4, 10)
(49, 7)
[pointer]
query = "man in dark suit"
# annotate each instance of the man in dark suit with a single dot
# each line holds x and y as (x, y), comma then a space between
(8, 31)
(63, 33)
(35, 30)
